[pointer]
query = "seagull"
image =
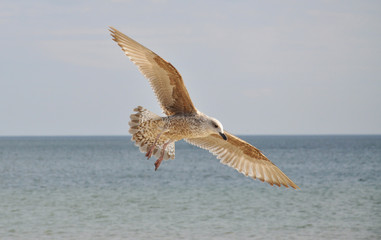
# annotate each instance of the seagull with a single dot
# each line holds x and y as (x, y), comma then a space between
(156, 135)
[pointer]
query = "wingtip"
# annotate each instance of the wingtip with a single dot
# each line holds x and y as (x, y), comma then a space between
(296, 187)
(113, 31)
(286, 185)
(292, 185)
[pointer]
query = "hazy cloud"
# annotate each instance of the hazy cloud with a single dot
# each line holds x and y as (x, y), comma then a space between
(295, 67)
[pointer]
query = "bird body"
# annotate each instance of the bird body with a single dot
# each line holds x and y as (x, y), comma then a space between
(187, 126)
(156, 136)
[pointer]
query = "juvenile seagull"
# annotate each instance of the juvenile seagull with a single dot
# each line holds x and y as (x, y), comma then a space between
(156, 136)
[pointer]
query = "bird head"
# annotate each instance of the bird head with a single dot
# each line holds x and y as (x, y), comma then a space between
(216, 127)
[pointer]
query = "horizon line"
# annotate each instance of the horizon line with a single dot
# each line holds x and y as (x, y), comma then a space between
(120, 135)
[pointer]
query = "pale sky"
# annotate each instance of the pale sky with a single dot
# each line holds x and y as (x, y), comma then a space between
(260, 67)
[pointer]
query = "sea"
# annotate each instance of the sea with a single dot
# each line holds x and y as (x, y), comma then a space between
(104, 188)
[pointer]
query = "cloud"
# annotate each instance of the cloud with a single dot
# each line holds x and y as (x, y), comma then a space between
(324, 54)
(258, 92)
(91, 53)
(75, 32)
(94, 46)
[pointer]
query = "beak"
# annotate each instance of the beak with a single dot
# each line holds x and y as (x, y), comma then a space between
(223, 136)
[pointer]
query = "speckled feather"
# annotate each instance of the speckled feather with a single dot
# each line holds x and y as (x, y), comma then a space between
(184, 121)
(144, 127)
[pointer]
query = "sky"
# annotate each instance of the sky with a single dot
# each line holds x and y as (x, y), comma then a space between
(259, 67)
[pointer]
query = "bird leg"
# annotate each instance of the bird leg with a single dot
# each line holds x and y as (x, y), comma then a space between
(160, 159)
(150, 151)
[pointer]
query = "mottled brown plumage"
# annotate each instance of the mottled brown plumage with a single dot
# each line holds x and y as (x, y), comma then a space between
(165, 80)
(155, 135)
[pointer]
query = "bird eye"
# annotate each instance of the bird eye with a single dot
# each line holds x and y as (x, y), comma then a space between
(214, 124)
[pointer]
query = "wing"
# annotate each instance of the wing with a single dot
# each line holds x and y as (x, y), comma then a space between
(165, 80)
(244, 157)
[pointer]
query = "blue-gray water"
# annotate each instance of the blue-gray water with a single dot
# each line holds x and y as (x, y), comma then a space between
(104, 188)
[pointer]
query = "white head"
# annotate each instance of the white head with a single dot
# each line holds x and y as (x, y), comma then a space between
(216, 127)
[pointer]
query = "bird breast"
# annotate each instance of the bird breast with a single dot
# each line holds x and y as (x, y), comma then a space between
(185, 126)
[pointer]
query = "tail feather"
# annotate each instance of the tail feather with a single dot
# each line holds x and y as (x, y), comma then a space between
(144, 127)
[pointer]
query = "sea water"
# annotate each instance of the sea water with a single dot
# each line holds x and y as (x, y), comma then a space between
(104, 188)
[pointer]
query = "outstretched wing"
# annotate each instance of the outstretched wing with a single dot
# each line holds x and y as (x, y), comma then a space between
(244, 157)
(165, 80)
